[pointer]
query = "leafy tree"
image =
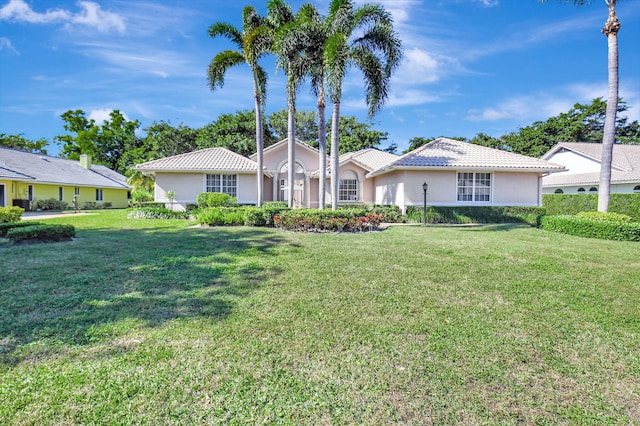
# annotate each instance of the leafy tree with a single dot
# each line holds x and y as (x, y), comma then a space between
(110, 144)
(306, 125)
(355, 135)
(610, 30)
(235, 132)
(164, 140)
(363, 37)
(20, 143)
(252, 42)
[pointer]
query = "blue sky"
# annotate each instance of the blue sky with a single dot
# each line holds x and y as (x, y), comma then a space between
(470, 66)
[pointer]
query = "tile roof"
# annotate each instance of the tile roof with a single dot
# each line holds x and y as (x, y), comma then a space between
(444, 153)
(208, 159)
(369, 159)
(625, 162)
(277, 145)
(25, 166)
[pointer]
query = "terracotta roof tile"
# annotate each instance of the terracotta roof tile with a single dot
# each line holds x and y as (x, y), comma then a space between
(208, 159)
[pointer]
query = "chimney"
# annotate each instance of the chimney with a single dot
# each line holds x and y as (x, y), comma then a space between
(85, 161)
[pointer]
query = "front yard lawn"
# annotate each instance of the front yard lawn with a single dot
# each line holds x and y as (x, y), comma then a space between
(157, 322)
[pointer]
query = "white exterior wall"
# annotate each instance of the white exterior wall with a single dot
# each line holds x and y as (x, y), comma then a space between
(515, 189)
(576, 163)
(187, 186)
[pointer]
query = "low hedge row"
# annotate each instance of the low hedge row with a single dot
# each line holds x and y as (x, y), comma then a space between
(215, 199)
(6, 227)
(354, 220)
(567, 204)
(582, 227)
(42, 233)
(156, 213)
(475, 214)
(10, 214)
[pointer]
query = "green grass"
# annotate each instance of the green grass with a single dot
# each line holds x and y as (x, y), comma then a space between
(155, 322)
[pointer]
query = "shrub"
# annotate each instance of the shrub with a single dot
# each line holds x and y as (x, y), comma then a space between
(156, 213)
(216, 199)
(255, 216)
(603, 229)
(139, 197)
(476, 214)
(354, 220)
(607, 216)
(221, 216)
(275, 204)
(568, 204)
(90, 205)
(5, 227)
(10, 214)
(51, 204)
(42, 233)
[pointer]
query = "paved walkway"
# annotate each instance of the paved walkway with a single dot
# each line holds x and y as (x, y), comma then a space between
(50, 215)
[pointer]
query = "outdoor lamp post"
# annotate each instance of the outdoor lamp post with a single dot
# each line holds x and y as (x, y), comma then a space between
(425, 186)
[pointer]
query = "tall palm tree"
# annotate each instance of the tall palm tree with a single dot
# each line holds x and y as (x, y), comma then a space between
(288, 44)
(252, 42)
(363, 37)
(610, 30)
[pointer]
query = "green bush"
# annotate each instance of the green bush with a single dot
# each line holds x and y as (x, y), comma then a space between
(255, 216)
(139, 197)
(610, 217)
(603, 229)
(221, 216)
(475, 214)
(5, 227)
(568, 204)
(216, 199)
(156, 213)
(51, 204)
(275, 204)
(10, 214)
(354, 220)
(42, 233)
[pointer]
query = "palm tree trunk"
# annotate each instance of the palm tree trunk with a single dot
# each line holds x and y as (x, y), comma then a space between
(322, 146)
(610, 29)
(335, 181)
(291, 148)
(259, 148)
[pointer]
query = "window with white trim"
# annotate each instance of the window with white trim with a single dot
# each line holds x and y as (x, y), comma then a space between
(60, 193)
(227, 184)
(474, 186)
(348, 187)
(30, 192)
(98, 194)
(76, 191)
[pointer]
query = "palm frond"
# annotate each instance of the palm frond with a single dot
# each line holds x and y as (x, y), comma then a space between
(219, 66)
(226, 30)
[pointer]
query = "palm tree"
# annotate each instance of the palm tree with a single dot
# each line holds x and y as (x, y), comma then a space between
(314, 26)
(610, 30)
(288, 44)
(252, 42)
(363, 37)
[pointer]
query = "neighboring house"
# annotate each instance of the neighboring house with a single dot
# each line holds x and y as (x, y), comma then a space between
(458, 173)
(26, 178)
(583, 163)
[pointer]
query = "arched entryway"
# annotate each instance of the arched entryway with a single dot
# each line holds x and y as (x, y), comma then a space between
(300, 185)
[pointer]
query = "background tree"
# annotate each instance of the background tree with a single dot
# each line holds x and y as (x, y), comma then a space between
(355, 135)
(20, 143)
(252, 43)
(164, 140)
(363, 37)
(306, 125)
(235, 132)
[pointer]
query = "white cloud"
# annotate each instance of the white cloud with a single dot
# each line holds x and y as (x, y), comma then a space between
(91, 15)
(418, 67)
(5, 44)
(102, 114)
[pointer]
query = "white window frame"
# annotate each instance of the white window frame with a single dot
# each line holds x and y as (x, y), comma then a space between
(474, 188)
(30, 195)
(60, 193)
(220, 182)
(76, 191)
(348, 190)
(99, 194)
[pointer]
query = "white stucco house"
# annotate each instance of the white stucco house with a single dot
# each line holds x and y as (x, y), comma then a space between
(457, 173)
(582, 161)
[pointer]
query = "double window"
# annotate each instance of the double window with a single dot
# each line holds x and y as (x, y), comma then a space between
(227, 184)
(474, 187)
(348, 187)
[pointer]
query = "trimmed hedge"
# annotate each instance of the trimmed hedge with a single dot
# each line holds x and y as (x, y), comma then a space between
(156, 213)
(222, 216)
(343, 220)
(607, 216)
(566, 204)
(51, 204)
(476, 214)
(6, 227)
(606, 230)
(41, 233)
(10, 214)
(216, 199)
